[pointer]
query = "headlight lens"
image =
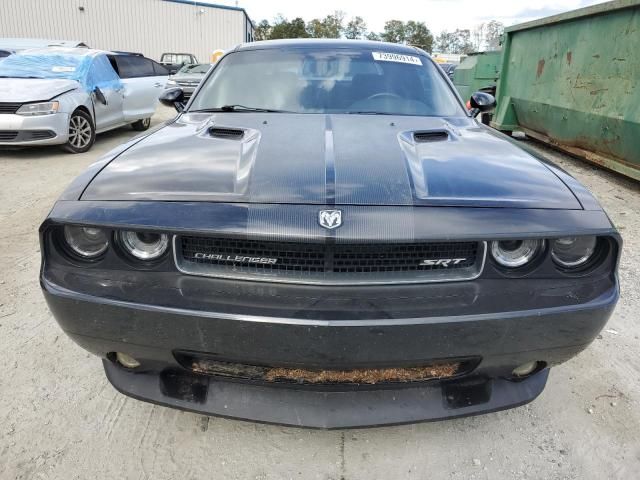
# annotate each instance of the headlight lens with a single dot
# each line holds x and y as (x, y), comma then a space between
(515, 253)
(87, 242)
(45, 108)
(171, 82)
(144, 245)
(572, 252)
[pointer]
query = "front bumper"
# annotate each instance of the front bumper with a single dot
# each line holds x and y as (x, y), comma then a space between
(157, 314)
(153, 334)
(325, 409)
(28, 129)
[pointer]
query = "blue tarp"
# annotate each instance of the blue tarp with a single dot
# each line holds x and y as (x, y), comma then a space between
(90, 70)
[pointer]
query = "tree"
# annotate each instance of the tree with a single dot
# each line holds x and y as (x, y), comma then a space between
(394, 31)
(330, 26)
(263, 30)
(444, 42)
(418, 35)
(458, 42)
(410, 33)
(478, 37)
(373, 36)
(493, 33)
(355, 29)
(282, 28)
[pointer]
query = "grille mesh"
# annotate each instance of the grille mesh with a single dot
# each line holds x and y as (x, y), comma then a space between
(9, 107)
(328, 262)
(8, 134)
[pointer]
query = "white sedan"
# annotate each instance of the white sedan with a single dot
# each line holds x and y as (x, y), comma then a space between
(65, 96)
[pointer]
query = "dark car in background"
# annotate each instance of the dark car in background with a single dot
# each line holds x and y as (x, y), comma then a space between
(326, 238)
(188, 78)
(448, 68)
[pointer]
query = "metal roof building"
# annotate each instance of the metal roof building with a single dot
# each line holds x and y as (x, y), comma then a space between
(151, 27)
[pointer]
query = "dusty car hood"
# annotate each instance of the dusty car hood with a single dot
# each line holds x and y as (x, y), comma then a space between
(33, 89)
(330, 159)
(188, 78)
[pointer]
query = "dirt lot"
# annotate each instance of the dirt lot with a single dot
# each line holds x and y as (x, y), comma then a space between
(60, 418)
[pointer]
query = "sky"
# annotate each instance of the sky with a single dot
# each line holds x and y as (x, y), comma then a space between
(439, 15)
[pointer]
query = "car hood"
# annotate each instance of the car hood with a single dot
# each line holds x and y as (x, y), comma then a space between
(33, 89)
(330, 160)
(196, 77)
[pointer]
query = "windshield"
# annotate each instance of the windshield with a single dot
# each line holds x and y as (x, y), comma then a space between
(197, 68)
(71, 67)
(328, 81)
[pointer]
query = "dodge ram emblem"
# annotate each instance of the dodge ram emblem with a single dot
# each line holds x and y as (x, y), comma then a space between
(330, 218)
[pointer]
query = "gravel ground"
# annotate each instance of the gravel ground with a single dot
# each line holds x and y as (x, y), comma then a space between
(60, 418)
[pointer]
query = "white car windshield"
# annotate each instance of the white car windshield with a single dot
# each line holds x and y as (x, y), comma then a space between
(195, 69)
(328, 81)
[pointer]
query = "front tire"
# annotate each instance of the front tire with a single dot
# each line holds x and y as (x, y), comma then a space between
(82, 133)
(142, 124)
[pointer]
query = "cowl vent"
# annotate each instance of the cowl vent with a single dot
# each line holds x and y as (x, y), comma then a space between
(230, 133)
(427, 137)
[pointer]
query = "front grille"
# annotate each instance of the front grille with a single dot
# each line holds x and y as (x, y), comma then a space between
(300, 376)
(7, 135)
(41, 134)
(329, 263)
(9, 107)
(25, 135)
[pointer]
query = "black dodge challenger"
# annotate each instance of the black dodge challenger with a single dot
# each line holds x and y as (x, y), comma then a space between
(325, 237)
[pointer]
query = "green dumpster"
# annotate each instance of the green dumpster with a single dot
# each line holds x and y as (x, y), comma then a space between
(573, 81)
(478, 71)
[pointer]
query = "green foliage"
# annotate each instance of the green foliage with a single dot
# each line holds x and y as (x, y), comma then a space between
(458, 42)
(394, 31)
(330, 26)
(410, 33)
(355, 29)
(333, 26)
(263, 30)
(282, 28)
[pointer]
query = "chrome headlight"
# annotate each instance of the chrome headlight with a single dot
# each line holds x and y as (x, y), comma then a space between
(45, 108)
(515, 253)
(87, 242)
(572, 252)
(144, 245)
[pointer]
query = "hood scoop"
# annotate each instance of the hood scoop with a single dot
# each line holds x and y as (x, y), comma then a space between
(430, 136)
(228, 133)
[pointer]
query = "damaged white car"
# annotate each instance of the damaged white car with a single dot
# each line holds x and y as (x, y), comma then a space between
(65, 96)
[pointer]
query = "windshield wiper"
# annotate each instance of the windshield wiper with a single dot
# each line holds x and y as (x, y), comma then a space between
(368, 112)
(8, 76)
(239, 108)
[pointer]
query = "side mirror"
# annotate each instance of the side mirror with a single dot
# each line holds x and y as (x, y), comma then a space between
(173, 97)
(99, 95)
(482, 102)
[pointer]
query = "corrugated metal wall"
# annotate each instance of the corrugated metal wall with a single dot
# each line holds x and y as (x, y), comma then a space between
(147, 26)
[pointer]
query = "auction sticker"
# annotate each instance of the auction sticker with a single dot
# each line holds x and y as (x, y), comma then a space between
(396, 57)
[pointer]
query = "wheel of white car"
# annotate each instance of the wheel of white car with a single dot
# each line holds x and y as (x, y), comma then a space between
(82, 133)
(142, 125)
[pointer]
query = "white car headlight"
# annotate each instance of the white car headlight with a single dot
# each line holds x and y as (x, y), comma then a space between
(45, 108)
(171, 82)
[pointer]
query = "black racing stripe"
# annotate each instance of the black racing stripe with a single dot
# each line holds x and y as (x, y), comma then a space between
(329, 163)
